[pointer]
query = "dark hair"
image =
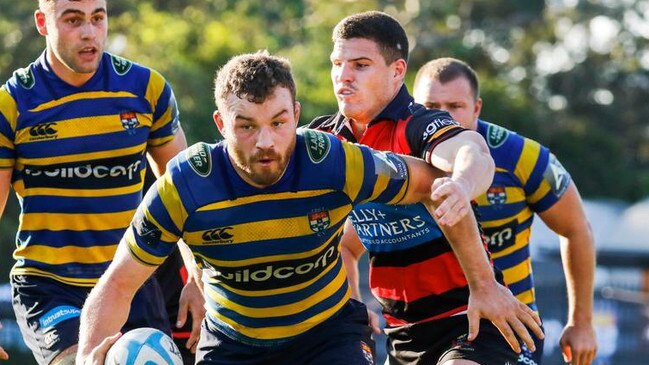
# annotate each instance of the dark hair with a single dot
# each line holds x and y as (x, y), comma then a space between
(379, 27)
(253, 76)
(448, 69)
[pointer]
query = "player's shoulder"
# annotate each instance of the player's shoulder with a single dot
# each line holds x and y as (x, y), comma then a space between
(501, 138)
(194, 163)
(317, 145)
(122, 67)
(23, 79)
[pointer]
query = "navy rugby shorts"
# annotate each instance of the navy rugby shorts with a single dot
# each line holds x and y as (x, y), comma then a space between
(441, 340)
(48, 311)
(345, 339)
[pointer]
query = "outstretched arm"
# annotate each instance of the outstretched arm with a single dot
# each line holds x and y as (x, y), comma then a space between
(488, 299)
(567, 219)
(466, 156)
(107, 307)
(191, 298)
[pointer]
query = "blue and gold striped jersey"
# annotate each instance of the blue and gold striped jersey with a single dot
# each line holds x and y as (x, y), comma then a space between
(77, 156)
(271, 257)
(528, 179)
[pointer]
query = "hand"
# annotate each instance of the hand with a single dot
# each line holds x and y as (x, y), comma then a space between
(191, 300)
(451, 200)
(578, 344)
(373, 321)
(3, 354)
(98, 355)
(498, 305)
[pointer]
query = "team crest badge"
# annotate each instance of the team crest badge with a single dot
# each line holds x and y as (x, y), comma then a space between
(367, 352)
(497, 195)
(129, 121)
(319, 221)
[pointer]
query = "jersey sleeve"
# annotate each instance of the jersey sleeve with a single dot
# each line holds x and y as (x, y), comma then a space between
(543, 177)
(428, 128)
(371, 175)
(8, 118)
(157, 224)
(166, 118)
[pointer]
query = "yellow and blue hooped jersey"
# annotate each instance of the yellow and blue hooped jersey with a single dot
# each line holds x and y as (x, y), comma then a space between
(528, 179)
(77, 156)
(272, 266)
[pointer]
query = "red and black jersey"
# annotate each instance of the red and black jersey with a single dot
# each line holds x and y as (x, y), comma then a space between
(414, 273)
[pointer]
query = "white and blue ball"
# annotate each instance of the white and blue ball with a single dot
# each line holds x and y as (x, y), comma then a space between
(144, 346)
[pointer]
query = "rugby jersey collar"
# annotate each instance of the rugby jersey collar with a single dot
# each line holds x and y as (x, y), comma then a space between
(397, 109)
(53, 77)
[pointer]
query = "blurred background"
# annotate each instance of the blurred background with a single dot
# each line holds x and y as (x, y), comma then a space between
(572, 74)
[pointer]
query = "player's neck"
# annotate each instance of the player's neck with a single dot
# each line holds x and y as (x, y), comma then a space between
(66, 74)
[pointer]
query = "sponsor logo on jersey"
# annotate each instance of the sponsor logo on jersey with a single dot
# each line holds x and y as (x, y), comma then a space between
(148, 232)
(557, 176)
(390, 165)
(25, 77)
(218, 236)
(389, 225)
(129, 121)
(51, 338)
(317, 145)
(496, 135)
(435, 125)
(319, 220)
(43, 131)
(278, 274)
(120, 65)
(497, 195)
(57, 315)
(501, 237)
(199, 159)
(105, 173)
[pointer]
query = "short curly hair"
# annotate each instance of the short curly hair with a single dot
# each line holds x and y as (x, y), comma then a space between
(253, 76)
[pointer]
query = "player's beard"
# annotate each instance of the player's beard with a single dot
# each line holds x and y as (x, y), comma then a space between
(263, 175)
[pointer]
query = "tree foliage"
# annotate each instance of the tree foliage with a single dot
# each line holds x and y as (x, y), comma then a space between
(572, 74)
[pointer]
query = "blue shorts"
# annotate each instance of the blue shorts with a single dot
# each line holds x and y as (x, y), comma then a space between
(345, 339)
(48, 311)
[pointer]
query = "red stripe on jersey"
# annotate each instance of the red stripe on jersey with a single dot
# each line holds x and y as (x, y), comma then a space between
(409, 283)
(388, 135)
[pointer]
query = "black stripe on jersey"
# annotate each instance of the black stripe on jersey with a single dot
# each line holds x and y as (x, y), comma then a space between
(419, 253)
(278, 274)
(426, 307)
(105, 173)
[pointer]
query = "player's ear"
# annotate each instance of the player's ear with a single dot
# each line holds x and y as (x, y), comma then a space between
(218, 120)
(40, 21)
(297, 108)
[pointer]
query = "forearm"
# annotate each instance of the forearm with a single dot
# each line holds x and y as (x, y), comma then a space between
(103, 314)
(351, 265)
(193, 271)
(466, 243)
(578, 256)
(474, 169)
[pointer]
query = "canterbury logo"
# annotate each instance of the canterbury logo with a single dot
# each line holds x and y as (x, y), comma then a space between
(46, 129)
(218, 234)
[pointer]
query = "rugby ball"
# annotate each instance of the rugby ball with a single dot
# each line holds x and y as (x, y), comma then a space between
(143, 346)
